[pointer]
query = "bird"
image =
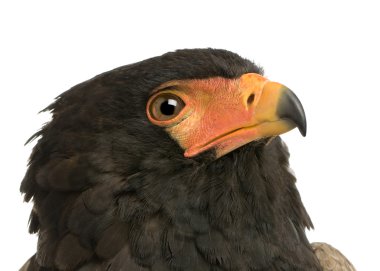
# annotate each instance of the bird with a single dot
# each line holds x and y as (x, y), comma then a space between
(171, 163)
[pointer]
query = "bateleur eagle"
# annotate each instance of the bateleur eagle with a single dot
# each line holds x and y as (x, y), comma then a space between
(171, 163)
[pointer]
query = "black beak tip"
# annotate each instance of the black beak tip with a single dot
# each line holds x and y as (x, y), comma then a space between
(290, 108)
(302, 129)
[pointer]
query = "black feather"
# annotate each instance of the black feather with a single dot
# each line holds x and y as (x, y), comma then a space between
(111, 191)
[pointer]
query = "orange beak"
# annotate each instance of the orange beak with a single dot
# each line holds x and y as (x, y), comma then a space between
(224, 114)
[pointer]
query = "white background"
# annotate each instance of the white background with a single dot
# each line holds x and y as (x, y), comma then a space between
(326, 52)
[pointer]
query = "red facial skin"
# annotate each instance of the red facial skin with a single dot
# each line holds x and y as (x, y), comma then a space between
(222, 114)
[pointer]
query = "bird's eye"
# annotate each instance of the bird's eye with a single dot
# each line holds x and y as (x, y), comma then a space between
(166, 106)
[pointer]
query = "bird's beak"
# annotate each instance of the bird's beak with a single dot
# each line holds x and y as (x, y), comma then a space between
(224, 114)
(278, 111)
(261, 109)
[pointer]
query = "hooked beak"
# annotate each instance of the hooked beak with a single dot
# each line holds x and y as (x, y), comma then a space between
(264, 109)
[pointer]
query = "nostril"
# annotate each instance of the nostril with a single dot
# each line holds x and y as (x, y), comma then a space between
(250, 99)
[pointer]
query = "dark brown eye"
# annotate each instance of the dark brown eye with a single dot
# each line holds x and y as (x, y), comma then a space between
(166, 106)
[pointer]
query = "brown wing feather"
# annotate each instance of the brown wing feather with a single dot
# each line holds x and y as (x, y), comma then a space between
(331, 259)
(30, 265)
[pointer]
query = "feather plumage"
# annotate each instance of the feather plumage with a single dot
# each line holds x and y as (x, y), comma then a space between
(111, 191)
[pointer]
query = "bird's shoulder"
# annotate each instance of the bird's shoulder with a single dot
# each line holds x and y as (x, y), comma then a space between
(330, 258)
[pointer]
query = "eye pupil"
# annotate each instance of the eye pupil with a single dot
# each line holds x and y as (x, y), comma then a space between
(168, 107)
